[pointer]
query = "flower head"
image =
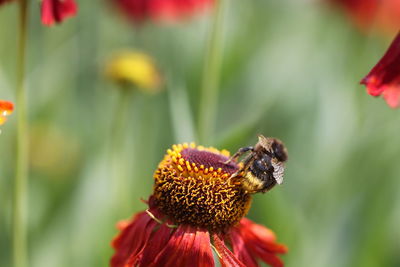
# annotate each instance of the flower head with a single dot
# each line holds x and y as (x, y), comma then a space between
(384, 78)
(6, 108)
(134, 68)
(383, 14)
(55, 11)
(166, 10)
(196, 206)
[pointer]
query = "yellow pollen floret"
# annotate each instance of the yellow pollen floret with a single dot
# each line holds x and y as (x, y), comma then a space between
(188, 166)
(209, 199)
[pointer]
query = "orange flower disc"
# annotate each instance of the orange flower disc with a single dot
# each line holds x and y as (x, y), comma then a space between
(192, 186)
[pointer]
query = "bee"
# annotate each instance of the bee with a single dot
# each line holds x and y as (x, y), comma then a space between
(263, 167)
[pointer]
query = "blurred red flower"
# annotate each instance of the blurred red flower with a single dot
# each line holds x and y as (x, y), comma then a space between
(55, 11)
(166, 10)
(195, 207)
(382, 14)
(384, 78)
(4, 1)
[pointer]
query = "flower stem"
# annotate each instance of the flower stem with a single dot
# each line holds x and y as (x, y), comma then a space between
(21, 176)
(211, 75)
(118, 160)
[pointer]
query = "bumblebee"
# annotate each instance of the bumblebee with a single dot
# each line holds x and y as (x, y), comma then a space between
(263, 167)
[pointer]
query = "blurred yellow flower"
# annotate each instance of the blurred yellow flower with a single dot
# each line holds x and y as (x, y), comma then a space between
(134, 68)
(55, 153)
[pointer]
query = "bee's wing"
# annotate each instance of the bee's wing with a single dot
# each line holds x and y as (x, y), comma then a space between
(279, 169)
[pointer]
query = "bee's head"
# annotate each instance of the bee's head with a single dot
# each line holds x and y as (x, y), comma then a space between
(274, 146)
(279, 150)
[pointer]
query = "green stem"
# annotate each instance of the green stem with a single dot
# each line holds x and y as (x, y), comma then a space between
(21, 176)
(211, 75)
(118, 157)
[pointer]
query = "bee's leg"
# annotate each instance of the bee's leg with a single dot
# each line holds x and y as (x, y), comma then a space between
(247, 162)
(246, 165)
(240, 152)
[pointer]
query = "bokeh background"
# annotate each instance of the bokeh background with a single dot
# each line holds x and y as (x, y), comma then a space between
(291, 70)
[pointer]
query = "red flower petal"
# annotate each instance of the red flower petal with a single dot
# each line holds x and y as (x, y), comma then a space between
(384, 78)
(201, 252)
(132, 239)
(227, 258)
(392, 96)
(155, 245)
(121, 225)
(55, 11)
(264, 236)
(175, 251)
(260, 241)
(187, 247)
(241, 251)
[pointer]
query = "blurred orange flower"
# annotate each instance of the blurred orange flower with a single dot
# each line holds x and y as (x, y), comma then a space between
(384, 78)
(366, 14)
(195, 207)
(6, 108)
(165, 10)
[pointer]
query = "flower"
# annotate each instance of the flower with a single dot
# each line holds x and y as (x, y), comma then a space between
(53, 152)
(384, 78)
(55, 11)
(382, 14)
(134, 68)
(195, 207)
(165, 10)
(6, 108)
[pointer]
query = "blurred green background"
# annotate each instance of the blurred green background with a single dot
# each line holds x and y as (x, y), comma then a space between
(291, 70)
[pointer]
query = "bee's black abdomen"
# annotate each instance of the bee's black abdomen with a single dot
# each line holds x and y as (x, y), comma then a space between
(260, 166)
(263, 170)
